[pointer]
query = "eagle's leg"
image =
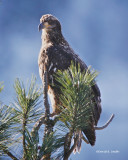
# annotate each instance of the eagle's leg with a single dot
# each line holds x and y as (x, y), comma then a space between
(54, 101)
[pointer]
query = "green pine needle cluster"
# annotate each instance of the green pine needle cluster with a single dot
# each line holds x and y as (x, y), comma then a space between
(76, 98)
(27, 104)
(18, 121)
(17, 138)
(6, 124)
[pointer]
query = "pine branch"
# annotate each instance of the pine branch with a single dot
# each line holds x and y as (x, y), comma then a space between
(24, 143)
(38, 124)
(46, 104)
(32, 145)
(77, 109)
(106, 124)
(24, 133)
(67, 145)
(26, 111)
(77, 105)
(70, 150)
(9, 154)
(77, 99)
(48, 125)
(6, 129)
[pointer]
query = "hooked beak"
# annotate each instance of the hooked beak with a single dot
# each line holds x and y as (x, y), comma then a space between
(41, 26)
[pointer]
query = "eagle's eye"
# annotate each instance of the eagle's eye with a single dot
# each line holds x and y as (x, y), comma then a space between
(49, 26)
(46, 24)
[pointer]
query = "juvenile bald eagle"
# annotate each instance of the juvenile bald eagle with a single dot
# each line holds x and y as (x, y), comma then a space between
(56, 54)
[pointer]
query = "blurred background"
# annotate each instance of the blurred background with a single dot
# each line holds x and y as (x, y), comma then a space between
(98, 31)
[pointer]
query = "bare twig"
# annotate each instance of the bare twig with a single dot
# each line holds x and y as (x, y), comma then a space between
(9, 154)
(48, 125)
(46, 104)
(107, 123)
(38, 125)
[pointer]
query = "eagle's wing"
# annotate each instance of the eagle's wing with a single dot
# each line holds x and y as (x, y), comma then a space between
(90, 131)
(95, 88)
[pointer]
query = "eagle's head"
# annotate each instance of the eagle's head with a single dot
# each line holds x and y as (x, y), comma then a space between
(49, 23)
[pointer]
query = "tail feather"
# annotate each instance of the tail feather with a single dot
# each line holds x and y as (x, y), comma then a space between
(90, 134)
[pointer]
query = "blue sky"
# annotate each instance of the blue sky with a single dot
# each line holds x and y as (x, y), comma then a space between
(98, 32)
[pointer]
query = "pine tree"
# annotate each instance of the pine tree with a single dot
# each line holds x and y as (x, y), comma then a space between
(26, 129)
